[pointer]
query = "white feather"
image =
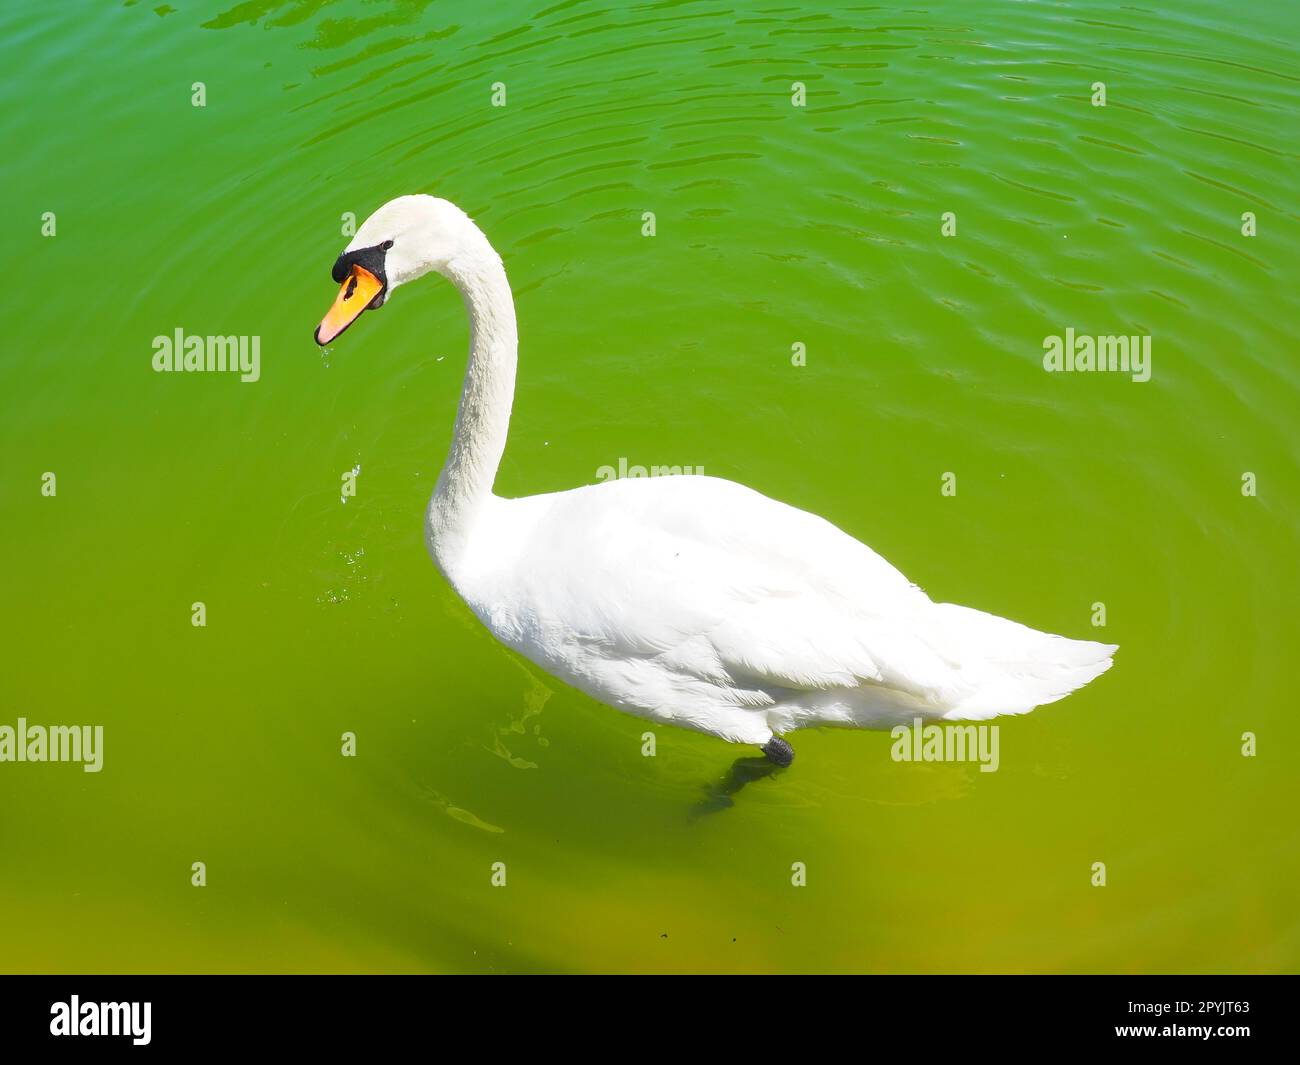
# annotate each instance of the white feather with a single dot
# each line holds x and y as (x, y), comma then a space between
(699, 602)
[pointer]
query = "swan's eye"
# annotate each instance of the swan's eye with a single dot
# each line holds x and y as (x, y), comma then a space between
(387, 244)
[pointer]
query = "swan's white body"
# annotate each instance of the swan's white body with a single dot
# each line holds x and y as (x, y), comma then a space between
(691, 600)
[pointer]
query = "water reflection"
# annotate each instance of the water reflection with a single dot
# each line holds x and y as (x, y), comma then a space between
(721, 794)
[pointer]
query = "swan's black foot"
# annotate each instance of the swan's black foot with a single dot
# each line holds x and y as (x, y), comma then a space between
(778, 751)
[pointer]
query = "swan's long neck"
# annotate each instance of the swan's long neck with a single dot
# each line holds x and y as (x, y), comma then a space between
(483, 418)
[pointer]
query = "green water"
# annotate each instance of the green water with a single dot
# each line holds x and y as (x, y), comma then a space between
(775, 225)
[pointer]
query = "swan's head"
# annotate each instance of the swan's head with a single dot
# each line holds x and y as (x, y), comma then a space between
(404, 239)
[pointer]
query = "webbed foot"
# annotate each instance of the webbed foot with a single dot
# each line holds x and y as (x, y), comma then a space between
(778, 751)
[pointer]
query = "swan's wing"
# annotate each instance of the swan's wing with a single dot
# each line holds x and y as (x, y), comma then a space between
(716, 582)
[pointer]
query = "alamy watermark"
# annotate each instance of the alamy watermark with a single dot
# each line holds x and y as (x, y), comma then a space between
(1098, 354)
(179, 353)
(53, 743)
(75, 1017)
(623, 470)
(919, 742)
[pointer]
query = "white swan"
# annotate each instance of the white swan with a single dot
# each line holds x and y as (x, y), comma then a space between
(688, 600)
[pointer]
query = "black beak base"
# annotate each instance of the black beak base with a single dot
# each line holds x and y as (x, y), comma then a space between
(371, 258)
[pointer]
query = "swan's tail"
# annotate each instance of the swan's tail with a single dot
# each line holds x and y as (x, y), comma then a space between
(1011, 667)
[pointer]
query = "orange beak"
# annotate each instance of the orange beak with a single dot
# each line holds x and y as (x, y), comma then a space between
(359, 288)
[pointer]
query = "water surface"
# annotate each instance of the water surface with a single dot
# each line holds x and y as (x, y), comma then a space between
(775, 225)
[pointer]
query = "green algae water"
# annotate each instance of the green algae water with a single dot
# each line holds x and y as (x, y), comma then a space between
(818, 250)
